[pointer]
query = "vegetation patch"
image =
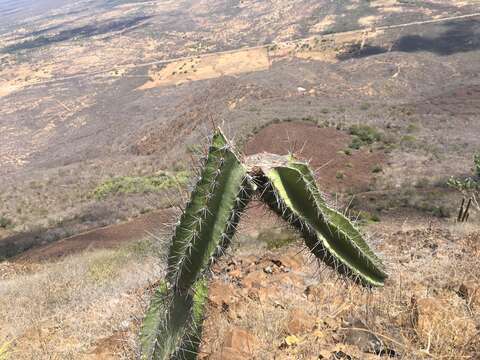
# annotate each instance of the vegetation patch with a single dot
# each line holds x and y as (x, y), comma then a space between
(108, 265)
(140, 184)
(5, 222)
(363, 135)
(277, 238)
(4, 351)
(470, 183)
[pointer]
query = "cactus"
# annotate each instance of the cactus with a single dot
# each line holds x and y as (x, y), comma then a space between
(173, 323)
(291, 191)
(172, 326)
(210, 218)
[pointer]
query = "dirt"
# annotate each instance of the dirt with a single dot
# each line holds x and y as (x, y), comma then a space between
(324, 149)
(102, 238)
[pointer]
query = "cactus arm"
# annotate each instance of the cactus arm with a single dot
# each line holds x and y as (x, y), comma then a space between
(329, 235)
(173, 324)
(335, 218)
(152, 321)
(211, 216)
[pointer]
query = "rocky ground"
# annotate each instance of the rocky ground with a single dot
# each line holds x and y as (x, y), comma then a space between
(268, 299)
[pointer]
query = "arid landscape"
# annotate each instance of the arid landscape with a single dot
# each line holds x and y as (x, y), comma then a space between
(106, 106)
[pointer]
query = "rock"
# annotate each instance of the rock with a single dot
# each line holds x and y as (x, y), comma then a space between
(229, 354)
(358, 334)
(299, 322)
(221, 295)
(254, 279)
(268, 270)
(240, 340)
(292, 261)
(235, 273)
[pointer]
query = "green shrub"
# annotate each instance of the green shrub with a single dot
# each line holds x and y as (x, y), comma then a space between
(140, 184)
(365, 106)
(363, 135)
(377, 169)
(276, 239)
(469, 184)
(5, 222)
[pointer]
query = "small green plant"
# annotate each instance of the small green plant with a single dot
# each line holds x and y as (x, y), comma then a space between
(469, 186)
(173, 323)
(5, 222)
(339, 175)
(377, 169)
(363, 135)
(140, 184)
(365, 106)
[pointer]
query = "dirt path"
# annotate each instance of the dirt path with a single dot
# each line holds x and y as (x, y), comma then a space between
(105, 237)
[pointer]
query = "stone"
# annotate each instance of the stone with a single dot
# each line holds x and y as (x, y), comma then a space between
(240, 340)
(220, 294)
(229, 354)
(299, 322)
(358, 334)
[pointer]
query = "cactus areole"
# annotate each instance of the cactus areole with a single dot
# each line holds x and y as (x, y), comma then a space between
(173, 323)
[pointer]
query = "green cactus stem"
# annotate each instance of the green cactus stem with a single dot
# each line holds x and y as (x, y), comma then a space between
(289, 188)
(172, 327)
(211, 216)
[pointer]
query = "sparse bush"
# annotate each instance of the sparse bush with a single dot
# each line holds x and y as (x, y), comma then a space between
(5, 222)
(140, 184)
(377, 169)
(276, 239)
(470, 183)
(364, 106)
(365, 134)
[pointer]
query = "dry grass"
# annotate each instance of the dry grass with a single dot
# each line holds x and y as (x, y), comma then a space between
(421, 312)
(61, 310)
(89, 306)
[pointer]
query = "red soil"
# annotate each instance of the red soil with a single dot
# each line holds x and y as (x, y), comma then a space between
(323, 147)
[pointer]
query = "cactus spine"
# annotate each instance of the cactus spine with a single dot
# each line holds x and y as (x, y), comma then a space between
(173, 323)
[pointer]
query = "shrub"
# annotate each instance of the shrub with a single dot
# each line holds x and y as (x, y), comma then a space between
(377, 169)
(140, 184)
(363, 135)
(5, 222)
